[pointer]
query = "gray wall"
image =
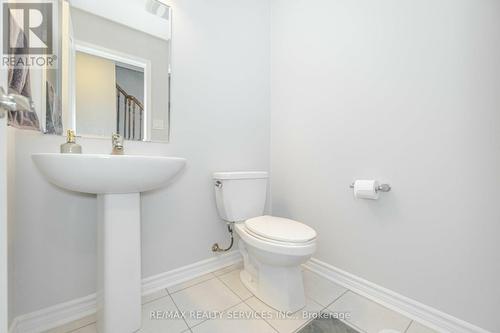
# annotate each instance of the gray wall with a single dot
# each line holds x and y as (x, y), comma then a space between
(405, 91)
(220, 121)
(108, 34)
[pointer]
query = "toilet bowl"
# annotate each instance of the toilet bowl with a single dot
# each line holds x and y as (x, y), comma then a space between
(272, 248)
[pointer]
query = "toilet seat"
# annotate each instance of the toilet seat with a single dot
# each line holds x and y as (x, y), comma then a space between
(273, 246)
(280, 229)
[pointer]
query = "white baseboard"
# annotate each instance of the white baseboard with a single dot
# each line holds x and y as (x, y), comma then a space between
(56, 315)
(438, 320)
(67, 312)
(64, 313)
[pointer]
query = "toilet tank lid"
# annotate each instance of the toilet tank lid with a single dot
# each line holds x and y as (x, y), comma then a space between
(240, 175)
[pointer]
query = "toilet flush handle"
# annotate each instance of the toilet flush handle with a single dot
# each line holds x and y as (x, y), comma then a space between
(218, 184)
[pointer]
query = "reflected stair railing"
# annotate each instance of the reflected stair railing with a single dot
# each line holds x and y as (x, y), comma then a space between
(128, 109)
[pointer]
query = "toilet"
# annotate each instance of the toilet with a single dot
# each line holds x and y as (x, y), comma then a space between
(273, 248)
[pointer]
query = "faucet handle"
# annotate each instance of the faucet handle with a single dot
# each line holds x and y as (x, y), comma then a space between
(117, 143)
(117, 140)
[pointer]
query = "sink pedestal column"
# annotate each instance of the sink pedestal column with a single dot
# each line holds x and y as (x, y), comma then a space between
(119, 263)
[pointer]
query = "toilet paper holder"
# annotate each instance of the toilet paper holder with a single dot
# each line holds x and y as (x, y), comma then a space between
(380, 188)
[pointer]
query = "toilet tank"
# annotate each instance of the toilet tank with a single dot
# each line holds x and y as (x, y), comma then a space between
(240, 195)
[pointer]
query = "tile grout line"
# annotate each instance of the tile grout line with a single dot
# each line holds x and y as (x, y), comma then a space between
(303, 325)
(212, 278)
(348, 323)
(79, 328)
(312, 319)
(378, 304)
(264, 319)
(409, 325)
(224, 310)
(335, 300)
(244, 300)
(228, 287)
(76, 329)
(217, 278)
(226, 272)
(179, 310)
(354, 327)
(197, 283)
(154, 300)
(395, 310)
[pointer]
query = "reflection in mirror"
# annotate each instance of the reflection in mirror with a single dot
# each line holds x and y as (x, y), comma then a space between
(118, 69)
(109, 96)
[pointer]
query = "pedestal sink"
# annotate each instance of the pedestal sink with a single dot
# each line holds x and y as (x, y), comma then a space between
(118, 182)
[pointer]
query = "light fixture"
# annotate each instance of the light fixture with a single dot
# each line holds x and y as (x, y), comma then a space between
(158, 8)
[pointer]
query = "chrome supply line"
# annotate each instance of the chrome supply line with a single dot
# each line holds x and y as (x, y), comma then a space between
(217, 248)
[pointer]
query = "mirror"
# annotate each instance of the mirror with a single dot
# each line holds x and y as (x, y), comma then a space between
(116, 69)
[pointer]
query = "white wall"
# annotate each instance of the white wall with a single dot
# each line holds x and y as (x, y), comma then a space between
(405, 91)
(131, 13)
(219, 121)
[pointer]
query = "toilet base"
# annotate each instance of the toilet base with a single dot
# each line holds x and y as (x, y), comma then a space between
(287, 297)
(280, 287)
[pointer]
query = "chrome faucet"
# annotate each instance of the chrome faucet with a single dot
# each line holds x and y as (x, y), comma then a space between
(117, 143)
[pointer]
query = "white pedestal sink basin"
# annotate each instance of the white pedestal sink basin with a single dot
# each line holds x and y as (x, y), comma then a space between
(118, 182)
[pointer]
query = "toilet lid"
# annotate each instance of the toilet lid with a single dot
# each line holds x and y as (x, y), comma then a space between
(280, 229)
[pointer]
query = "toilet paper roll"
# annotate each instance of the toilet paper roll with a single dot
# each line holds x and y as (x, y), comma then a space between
(366, 189)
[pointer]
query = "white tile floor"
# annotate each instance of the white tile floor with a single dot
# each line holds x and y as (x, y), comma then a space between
(218, 302)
